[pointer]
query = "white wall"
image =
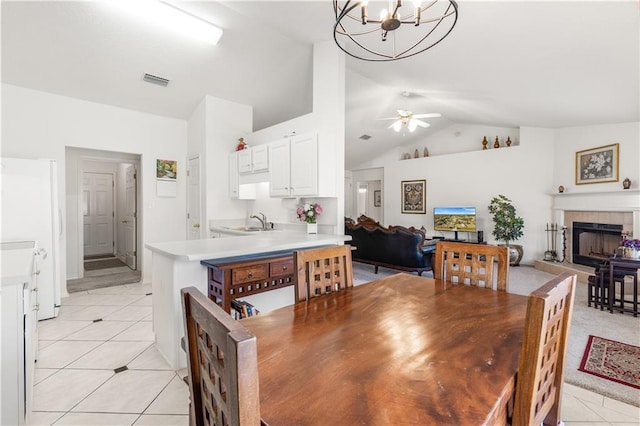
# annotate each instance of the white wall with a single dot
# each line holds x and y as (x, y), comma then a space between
(40, 125)
(572, 139)
(522, 173)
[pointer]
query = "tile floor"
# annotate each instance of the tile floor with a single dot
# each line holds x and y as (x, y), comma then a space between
(102, 330)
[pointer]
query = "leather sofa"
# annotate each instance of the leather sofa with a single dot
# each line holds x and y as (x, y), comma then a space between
(395, 247)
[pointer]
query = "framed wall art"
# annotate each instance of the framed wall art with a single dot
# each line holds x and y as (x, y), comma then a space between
(414, 196)
(377, 198)
(597, 165)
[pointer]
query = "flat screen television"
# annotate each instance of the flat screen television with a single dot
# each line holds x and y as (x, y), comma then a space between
(455, 219)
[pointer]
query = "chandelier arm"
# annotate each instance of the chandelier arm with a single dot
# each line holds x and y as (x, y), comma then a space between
(440, 20)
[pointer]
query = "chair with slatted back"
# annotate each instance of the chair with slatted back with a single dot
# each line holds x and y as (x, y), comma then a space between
(544, 346)
(222, 361)
(321, 271)
(472, 264)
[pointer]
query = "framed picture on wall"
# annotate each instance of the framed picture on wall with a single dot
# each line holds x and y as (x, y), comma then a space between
(414, 196)
(377, 198)
(597, 165)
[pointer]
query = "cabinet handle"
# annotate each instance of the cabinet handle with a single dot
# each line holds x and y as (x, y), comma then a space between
(284, 268)
(196, 225)
(36, 272)
(35, 290)
(125, 221)
(36, 307)
(250, 275)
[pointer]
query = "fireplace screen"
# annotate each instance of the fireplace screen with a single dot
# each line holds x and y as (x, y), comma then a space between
(594, 242)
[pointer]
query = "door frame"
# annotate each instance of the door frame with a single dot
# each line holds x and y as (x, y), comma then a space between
(188, 204)
(85, 154)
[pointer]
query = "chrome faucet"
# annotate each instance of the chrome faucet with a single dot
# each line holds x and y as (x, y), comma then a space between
(262, 220)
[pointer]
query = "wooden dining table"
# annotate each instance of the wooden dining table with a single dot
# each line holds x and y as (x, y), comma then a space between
(400, 350)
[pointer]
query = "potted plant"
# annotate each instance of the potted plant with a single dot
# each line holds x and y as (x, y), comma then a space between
(507, 226)
(631, 248)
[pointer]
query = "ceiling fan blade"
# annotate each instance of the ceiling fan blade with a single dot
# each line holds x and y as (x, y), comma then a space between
(421, 123)
(387, 118)
(428, 115)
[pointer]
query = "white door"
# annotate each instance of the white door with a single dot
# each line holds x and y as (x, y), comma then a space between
(97, 208)
(193, 202)
(129, 219)
(279, 171)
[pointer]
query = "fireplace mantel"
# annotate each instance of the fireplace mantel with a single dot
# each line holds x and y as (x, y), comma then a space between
(626, 200)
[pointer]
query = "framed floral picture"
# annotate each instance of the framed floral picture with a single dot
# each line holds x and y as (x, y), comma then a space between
(414, 196)
(597, 165)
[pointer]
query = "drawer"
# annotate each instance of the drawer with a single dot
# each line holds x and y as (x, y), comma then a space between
(249, 273)
(283, 267)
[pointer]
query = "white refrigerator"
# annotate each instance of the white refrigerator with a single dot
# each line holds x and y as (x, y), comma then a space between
(30, 212)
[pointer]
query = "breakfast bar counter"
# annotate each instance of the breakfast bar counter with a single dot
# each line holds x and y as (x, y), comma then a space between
(177, 265)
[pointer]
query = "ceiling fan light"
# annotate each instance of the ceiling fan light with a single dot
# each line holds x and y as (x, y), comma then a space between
(397, 125)
(412, 125)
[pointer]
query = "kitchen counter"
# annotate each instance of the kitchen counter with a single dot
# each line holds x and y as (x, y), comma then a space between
(176, 265)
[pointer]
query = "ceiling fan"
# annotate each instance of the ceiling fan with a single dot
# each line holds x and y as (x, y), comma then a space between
(409, 119)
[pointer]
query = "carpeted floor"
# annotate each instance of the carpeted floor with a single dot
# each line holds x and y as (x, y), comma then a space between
(585, 321)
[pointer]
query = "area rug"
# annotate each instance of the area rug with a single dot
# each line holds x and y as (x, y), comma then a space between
(612, 360)
(103, 264)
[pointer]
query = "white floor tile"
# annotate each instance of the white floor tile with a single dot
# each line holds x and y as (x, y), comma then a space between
(102, 330)
(174, 399)
(162, 420)
(57, 329)
(141, 331)
(623, 408)
(120, 299)
(117, 289)
(612, 415)
(582, 394)
(96, 419)
(129, 313)
(62, 353)
(39, 374)
(128, 392)
(43, 418)
(138, 288)
(65, 389)
(111, 355)
(143, 301)
(150, 359)
(90, 313)
(575, 410)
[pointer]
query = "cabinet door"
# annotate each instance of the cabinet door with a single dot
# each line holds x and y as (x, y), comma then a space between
(304, 165)
(233, 175)
(279, 158)
(260, 158)
(244, 161)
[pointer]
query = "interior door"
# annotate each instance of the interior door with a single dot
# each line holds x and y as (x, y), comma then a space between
(129, 219)
(193, 202)
(97, 208)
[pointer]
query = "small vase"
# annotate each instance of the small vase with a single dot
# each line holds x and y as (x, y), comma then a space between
(626, 183)
(631, 253)
(312, 228)
(496, 144)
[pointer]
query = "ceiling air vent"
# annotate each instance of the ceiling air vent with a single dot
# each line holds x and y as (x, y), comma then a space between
(365, 137)
(150, 78)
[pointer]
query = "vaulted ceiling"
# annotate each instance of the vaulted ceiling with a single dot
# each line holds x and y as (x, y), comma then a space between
(528, 63)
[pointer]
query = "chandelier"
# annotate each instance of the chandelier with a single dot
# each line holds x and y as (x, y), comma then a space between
(394, 35)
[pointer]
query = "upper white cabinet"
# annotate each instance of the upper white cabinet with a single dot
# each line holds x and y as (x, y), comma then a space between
(254, 159)
(294, 166)
(233, 175)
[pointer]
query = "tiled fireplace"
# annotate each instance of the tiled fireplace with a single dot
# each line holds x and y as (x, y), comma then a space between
(594, 222)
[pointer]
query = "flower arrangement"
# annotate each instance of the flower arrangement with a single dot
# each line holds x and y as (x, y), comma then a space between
(309, 212)
(632, 244)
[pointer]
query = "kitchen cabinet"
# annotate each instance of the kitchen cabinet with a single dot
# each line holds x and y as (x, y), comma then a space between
(234, 186)
(253, 160)
(294, 166)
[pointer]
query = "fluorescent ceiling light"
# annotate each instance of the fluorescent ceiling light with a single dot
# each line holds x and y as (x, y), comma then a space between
(172, 18)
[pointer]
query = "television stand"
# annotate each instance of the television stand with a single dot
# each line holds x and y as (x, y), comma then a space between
(454, 240)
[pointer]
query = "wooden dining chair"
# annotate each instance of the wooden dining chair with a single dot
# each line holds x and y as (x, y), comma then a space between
(472, 264)
(222, 361)
(321, 271)
(544, 346)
